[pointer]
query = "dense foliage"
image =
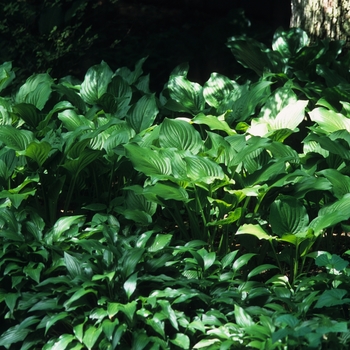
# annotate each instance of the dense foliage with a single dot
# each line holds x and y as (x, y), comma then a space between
(208, 217)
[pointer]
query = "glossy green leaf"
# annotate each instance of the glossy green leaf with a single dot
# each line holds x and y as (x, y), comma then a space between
(39, 152)
(72, 121)
(288, 215)
(15, 138)
(200, 169)
(63, 341)
(242, 317)
(130, 260)
(91, 335)
(35, 91)
(241, 261)
(179, 134)
(96, 82)
(78, 296)
(209, 260)
(62, 225)
(208, 344)
(340, 183)
(130, 285)
(73, 265)
(147, 161)
(169, 312)
(261, 269)
(55, 318)
(187, 94)
(328, 120)
(181, 340)
(228, 258)
(218, 90)
(13, 335)
(143, 113)
(160, 242)
(214, 123)
(289, 43)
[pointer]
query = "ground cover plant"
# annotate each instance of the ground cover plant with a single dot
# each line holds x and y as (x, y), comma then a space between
(205, 217)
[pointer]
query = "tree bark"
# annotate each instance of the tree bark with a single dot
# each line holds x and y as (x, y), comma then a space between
(322, 18)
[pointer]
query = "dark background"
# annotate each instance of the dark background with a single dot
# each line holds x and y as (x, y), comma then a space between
(122, 32)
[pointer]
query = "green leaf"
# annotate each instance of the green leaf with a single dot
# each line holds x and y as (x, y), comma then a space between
(332, 297)
(91, 335)
(209, 260)
(214, 123)
(335, 262)
(147, 161)
(54, 318)
(13, 335)
(261, 269)
(242, 317)
(11, 301)
(241, 261)
(73, 265)
(78, 296)
(75, 166)
(288, 215)
(179, 134)
(38, 151)
(181, 340)
(169, 312)
(35, 91)
(228, 259)
(8, 162)
(63, 341)
(6, 75)
(160, 242)
(203, 170)
(15, 138)
(208, 344)
(143, 113)
(130, 285)
(96, 82)
(218, 91)
(329, 121)
(72, 121)
(254, 230)
(187, 94)
(289, 43)
(29, 114)
(340, 182)
(61, 226)
(130, 260)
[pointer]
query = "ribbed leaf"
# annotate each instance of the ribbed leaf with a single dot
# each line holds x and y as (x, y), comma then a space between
(187, 94)
(142, 114)
(179, 134)
(62, 225)
(147, 161)
(289, 43)
(8, 162)
(340, 182)
(254, 230)
(288, 215)
(71, 120)
(29, 114)
(328, 120)
(214, 123)
(200, 169)
(39, 152)
(218, 90)
(35, 91)
(73, 265)
(96, 82)
(15, 138)
(75, 166)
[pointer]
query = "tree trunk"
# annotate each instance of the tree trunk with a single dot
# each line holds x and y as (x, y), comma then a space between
(322, 18)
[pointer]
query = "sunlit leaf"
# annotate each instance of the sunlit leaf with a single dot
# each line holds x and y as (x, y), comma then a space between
(179, 134)
(130, 285)
(143, 113)
(241, 261)
(96, 82)
(242, 317)
(213, 122)
(160, 242)
(35, 91)
(328, 120)
(254, 230)
(181, 340)
(15, 138)
(91, 335)
(39, 152)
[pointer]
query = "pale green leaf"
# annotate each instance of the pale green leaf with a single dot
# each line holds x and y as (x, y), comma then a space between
(242, 317)
(181, 340)
(91, 335)
(329, 121)
(130, 285)
(214, 123)
(254, 230)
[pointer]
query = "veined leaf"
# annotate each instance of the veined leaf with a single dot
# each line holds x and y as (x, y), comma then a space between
(218, 90)
(147, 161)
(29, 114)
(189, 95)
(72, 121)
(200, 169)
(213, 122)
(340, 183)
(35, 91)
(96, 82)
(15, 138)
(143, 113)
(75, 166)
(328, 120)
(39, 152)
(179, 134)
(8, 162)
(287, 215)
(73, 265)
